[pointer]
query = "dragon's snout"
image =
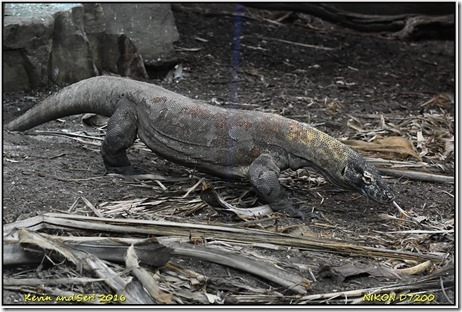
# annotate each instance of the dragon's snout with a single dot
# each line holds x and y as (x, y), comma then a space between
(380, 192)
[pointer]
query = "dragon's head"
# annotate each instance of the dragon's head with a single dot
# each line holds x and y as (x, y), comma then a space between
(366, 179)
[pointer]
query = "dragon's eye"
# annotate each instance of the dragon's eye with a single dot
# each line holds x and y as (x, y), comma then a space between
(367, 177)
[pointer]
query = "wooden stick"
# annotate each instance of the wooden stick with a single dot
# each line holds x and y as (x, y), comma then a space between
(304, 45)
(415, 175)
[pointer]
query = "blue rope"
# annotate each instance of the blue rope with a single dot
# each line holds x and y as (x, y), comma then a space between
(235, 49)
(236, 46)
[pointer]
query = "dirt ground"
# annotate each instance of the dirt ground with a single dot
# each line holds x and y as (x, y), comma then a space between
(359, 77)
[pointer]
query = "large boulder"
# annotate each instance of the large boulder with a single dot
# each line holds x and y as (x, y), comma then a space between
(60, 43)
(150, 26)
(44, 43)
(113, 51)
(71, 57)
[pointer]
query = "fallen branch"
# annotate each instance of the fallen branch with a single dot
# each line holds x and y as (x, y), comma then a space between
(414, 175)
(304, 45)
(49, 281)
(293, 282)
(225, 233)
(67, 134)
(83, 260)
(411, 22)
(15, 255)
(149, 251)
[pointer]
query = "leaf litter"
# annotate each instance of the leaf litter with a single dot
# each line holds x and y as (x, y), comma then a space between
(418, 250)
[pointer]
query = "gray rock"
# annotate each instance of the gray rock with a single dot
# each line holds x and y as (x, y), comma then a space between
(61, 43)
(112, 52)
(44, 43)
(150, 26)
(71, 56)
(26, 50)
(15, 75)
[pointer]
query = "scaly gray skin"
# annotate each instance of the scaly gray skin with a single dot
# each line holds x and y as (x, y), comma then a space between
(224, 142)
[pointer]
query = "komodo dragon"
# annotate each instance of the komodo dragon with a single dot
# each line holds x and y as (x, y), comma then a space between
(223, 142)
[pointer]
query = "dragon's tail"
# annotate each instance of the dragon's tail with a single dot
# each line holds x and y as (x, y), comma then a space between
(86, 96)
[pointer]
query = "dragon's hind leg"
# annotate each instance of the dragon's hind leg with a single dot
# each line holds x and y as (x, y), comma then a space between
(120, 135)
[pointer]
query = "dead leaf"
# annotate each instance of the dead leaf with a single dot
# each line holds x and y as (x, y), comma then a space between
(354, 124)
(441, 100)
(389, 148)
(334, 107)
(94, 120)
(421, 144)
(448, 146)
(213, 298)
(415, 269)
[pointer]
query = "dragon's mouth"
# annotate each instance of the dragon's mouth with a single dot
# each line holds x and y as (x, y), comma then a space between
(326, 174)
(380, 195)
